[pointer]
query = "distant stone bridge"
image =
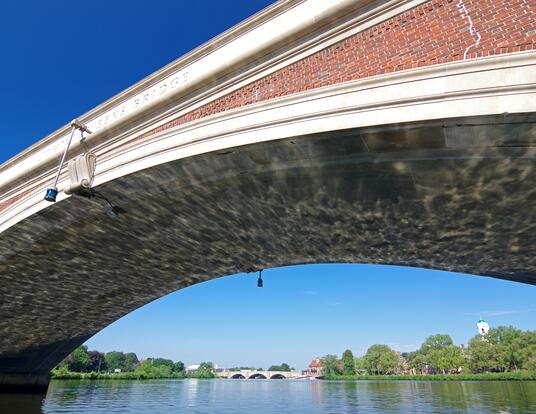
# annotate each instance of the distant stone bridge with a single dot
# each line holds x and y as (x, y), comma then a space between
(252, 374)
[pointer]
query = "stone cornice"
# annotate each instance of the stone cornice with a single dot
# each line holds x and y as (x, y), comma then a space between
(485, 86)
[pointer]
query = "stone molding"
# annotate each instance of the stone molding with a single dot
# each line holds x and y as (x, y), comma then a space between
(493, 85)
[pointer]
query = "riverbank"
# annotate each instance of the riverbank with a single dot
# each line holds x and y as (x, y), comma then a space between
(494, 376)
(68, 375)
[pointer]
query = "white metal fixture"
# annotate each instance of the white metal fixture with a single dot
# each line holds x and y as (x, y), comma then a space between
(81, 172)
(52, 192)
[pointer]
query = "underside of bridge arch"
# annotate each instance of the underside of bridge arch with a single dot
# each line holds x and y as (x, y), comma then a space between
(278, 376)
(238, 376)
(457, 195)
(257, 376)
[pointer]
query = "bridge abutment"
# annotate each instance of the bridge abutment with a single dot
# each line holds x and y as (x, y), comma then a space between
(24, 383)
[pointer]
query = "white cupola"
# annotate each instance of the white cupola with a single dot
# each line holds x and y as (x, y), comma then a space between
(482, 326)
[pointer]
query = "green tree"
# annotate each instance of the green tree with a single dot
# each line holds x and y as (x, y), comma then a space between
(438, 341)
(151, 369)
(526, 351)
(508, 341)
(504, 348)
(118, 360)
(78, 360)
(388, 363)
(96, 361)
(381, 360)
(205, 370)
(331, 366)
(446, 359)
(348, 363)
(178, 367)
(115, 360)
(481, 356)
(130, 362)
(417, 361)
(162, 362)
(503, 335)
(283, 367)
(359, 365)
(528, 357)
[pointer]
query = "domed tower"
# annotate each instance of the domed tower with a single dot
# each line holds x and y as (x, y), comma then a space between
(483, 327)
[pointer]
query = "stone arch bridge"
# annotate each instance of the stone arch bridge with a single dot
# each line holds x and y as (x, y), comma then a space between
(252, 374)
(396, 132)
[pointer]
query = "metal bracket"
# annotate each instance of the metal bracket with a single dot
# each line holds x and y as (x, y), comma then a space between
(84, 166)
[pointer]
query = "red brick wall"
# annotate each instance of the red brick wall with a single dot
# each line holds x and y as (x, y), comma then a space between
(434, 32)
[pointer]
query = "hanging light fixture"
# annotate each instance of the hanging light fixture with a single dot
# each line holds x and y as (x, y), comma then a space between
(88, 164)
(259, 280)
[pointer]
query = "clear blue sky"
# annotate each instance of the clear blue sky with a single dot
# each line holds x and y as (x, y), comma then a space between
(61, 58)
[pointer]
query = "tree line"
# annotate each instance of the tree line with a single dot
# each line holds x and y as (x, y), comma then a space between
(83, 361)
(503, 349)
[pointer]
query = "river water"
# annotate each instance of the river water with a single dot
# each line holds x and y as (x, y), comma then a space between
(272, 396)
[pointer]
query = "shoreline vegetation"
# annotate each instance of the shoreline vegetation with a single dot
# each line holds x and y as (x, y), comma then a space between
(61, 374)
(490, 376)
(129, 376)
(502, 354)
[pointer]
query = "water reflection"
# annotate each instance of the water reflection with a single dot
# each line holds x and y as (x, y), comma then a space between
(246, 396)
(21, 404)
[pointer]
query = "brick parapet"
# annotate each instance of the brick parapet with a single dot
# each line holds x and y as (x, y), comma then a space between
(433, 33)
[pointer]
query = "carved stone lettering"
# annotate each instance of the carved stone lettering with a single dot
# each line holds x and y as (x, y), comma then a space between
(141, 99)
